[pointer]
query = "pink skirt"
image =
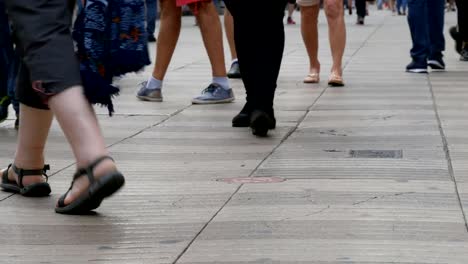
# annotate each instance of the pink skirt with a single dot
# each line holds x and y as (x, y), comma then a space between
(187, 2)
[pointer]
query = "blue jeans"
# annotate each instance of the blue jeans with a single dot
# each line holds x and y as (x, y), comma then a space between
(401, 5)
(151, 15)
(380, 4)
(426, 22)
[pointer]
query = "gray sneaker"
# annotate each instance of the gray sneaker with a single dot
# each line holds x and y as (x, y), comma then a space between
(146, 94)
(214, 94)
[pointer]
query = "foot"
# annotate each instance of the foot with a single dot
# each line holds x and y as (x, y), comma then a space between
(437, 64)
(313, 77)
(261, 122)
(336, 79)
(148, 94)
(4, 103)
(214, 94)
(30, 179)
(417, 67)
(243, 118)
(360, 21)
(81, 184)
(456, 37)
(234, 72)
(464, 52)
(151, 38)
(291, 21)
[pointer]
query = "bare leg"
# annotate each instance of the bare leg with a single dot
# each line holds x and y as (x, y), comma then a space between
(79, 123)
(210, 27)
(30, 149)
(337, 33)
(169, 30)
(229, 27)
(291, 8)
(309, 29)
(392, 5)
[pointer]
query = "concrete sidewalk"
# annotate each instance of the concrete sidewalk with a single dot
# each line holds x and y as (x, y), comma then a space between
(375, 172)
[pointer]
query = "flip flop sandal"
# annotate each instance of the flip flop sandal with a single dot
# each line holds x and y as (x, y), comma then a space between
(33, 190)
(335, 81)
(312, 78)
(98, 190)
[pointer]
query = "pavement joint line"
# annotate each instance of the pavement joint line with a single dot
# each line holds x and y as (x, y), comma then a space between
(7, 197)
(446, 150)
(206, 225)
(120, 141)
(377, 28)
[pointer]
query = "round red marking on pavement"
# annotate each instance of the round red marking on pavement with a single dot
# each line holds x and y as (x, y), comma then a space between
(253, 180)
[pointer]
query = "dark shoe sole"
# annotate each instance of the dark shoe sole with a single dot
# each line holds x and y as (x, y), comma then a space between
(436, 66)
(260, 124)
(101, 189)
(34, 190)
(247, 124)
(234, 76)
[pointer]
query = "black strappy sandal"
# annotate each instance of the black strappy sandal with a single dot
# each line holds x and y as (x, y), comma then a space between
(32, 190)
(98, 190)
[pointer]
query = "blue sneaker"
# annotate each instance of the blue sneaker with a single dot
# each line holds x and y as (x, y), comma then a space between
(146, 94)
(214, 94)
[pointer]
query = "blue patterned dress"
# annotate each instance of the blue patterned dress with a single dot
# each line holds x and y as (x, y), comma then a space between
(111, 40)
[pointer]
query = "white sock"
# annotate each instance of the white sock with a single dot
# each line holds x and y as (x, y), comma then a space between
(223, 81)
(234, 61)
(154, 83)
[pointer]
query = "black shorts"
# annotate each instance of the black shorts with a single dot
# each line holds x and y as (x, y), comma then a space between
(292, 1)
(48, 62)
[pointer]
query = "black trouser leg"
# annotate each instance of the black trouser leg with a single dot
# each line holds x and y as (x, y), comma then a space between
(361, 8)
(259, 39)
(462, 7)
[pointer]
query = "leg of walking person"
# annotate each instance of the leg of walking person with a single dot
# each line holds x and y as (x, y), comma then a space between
(259, 59)
(169, 31)
(418, 21)
(337, 37)
(234, 71)
(151, 10)
(291, 8)
(361, 11)
(50, 77)
(462, 8)
(6, 49)
(436, 14)
(219, 91)
(309, 30)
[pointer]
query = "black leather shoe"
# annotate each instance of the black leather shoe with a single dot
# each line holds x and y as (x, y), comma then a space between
(261, 122)
(456, 36)
(234, 72)
(243, 120)
(151, 38)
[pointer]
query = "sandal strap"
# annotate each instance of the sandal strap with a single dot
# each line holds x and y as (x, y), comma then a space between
(5, 175)
(88, 171)
(22, 173)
